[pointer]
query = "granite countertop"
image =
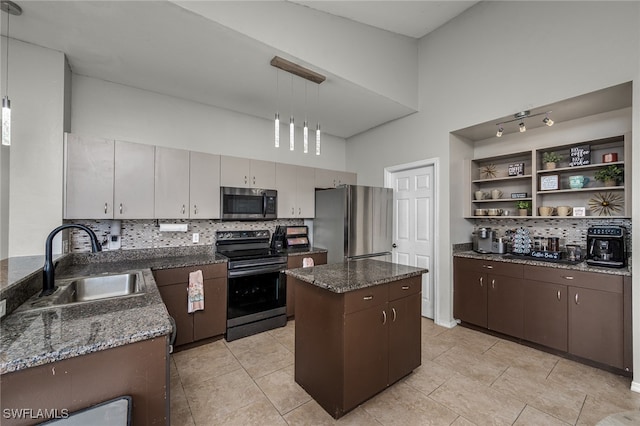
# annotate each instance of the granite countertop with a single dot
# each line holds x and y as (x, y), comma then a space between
(511, 258)
(355, 274)
(36, 337)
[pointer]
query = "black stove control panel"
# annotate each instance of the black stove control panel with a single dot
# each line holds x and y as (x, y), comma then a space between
(242, 235)
(610, 231)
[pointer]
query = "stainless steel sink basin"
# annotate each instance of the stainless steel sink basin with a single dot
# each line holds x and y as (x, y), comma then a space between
(100, 287)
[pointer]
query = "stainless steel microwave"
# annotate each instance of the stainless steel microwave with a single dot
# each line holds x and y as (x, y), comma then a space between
(248, 203)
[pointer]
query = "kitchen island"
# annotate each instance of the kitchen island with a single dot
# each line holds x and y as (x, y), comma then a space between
(357, 329)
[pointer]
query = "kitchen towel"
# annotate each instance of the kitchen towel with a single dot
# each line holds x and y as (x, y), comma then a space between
(195, 301)
(307, 262)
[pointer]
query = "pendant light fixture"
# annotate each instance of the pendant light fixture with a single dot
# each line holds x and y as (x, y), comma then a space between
(307, 74)
(318, 125)
(277, 120)
(12, 9)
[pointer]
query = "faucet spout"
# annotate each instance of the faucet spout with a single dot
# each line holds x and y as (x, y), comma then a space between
(48, 270)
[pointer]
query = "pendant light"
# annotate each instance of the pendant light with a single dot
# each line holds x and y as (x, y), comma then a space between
(318, 125)
(292, 127)
(305, 128)
(277, 120)
(12, 9)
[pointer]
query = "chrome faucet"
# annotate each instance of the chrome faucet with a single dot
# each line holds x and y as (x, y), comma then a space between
(48, 270)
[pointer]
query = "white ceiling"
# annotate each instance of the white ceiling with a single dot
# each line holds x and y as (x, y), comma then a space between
(161, 47)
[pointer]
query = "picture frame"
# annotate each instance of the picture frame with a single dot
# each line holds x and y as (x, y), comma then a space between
(516, 169)
(579, 211)
(549, 182)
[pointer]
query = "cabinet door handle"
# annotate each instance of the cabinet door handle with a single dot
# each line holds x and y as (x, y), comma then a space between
(395, 315)
(105, 208)
(299, 211)
(487, 266)
(568, 277)
(384, 317)
(480, 281)
(245, 180)
(195, 209)
(493, 284)
(577, 299)
(120, 208)
(183, 209)
(254, 180)
(292, 210)
(558, 294)
(367, 298)
(406, 287)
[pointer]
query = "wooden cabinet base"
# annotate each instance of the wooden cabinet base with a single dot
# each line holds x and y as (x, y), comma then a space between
(140, 370)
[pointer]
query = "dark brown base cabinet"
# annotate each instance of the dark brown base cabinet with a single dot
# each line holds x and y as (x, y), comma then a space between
(586, 314)
(295, 261)
(210, 322)
(350, 346)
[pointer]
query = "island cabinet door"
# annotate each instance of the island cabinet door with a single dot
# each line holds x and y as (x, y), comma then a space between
(505, 302)
(404, 336)
(366, 354)
(545, 313)
(469, 293)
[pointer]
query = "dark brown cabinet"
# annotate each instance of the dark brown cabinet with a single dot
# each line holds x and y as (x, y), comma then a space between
(545, 314)
(173, 283)
(350, 346)
(469, 291)
(295, 261)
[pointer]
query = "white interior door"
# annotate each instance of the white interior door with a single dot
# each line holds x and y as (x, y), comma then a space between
(413, 229)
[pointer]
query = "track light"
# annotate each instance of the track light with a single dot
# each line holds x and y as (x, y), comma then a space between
(549, 122)
(500, 132)
(523, 128)
(519, 117)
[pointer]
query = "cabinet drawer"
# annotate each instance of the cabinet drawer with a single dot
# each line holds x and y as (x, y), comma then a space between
(404, 288)
(181, 275)
(590, 280)
(507, 269)
(365, 298)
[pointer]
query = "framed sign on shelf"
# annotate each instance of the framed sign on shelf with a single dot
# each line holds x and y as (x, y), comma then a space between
(549, 183)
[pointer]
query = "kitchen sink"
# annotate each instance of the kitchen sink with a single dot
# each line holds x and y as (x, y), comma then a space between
(100, 287)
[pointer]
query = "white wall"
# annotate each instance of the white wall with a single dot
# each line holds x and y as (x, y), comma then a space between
(36, 89)
(378, 60)
(108, 110)
(493, 60)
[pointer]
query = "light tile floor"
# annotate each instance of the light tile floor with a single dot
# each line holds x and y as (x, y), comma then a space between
(466, 378)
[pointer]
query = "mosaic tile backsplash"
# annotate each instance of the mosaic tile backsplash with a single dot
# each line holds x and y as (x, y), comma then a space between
(144, 234)
(570, 231)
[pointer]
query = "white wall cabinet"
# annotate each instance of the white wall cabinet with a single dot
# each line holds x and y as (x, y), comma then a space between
(246, 173)
(133, 181)
(296, 191)
(325, 178)
(88, 178)
(204, 186)
(171, 183)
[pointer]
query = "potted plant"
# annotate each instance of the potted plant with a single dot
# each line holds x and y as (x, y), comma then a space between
(523, 207)
(610, 175)
(550, 159)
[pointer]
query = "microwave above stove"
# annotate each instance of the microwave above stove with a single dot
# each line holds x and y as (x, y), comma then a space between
(248, 203)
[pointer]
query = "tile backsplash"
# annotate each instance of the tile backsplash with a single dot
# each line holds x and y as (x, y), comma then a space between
(143, 234)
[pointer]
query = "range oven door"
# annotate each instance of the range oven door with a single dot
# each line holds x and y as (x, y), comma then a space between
(248, 203)
(255, 293)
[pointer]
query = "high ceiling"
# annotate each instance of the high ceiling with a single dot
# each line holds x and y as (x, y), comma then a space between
(164, 48)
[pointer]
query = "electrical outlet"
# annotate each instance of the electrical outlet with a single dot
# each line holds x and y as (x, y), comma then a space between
(196, 237)
(3, 308)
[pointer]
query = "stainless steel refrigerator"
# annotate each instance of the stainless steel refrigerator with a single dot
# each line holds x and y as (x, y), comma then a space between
(354, 222)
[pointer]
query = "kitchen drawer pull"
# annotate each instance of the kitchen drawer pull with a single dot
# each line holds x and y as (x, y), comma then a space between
(558, 294)
(568, 277)
(395, 315)
(487, 266)
(183, 209)
(480, 281)
(406, 287)
(493, 284)
(195, 209)
(120, 208)
(577, 300)
(384, 317)
(367, 298)
(105, 208)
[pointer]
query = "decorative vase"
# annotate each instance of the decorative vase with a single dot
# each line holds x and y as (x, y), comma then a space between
(610, 182)
(550, 166)
(523, 212)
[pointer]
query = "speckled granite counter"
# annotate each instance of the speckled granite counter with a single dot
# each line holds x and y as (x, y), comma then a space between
(354, 275)
(36, 337)
(511, 258)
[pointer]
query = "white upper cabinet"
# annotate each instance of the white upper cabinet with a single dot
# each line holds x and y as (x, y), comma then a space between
(325, 178)
(88, 178)
(171, 183)
(296, 191)
(245, 173)
(133, 193)
(204, 186)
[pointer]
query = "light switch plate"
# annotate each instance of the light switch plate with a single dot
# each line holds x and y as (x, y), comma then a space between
(3, 308)
(196, 237)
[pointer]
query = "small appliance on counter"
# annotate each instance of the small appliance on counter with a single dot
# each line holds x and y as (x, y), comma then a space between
(606, 246)
(290, 237)
(483, 240)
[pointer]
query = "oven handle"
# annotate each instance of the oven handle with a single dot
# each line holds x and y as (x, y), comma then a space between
(264, 204)
(255, 271)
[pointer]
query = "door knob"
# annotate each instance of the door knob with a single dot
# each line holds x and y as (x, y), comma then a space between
(394, 245)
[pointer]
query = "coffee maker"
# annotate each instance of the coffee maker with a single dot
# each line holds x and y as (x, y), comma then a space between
(483, 240)
(606, 247)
